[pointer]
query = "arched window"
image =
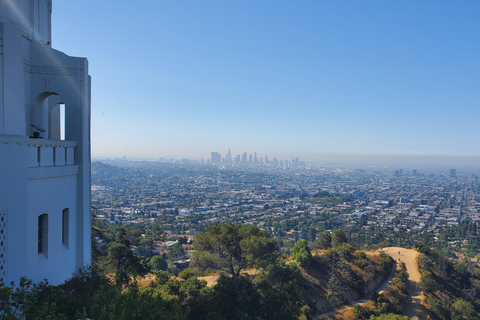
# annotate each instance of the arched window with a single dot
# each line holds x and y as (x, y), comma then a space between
(43, 234)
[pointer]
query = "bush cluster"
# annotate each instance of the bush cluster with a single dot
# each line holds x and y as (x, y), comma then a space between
(452, 287)
(271, 294)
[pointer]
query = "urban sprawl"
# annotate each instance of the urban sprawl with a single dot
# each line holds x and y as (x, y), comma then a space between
(291, 201)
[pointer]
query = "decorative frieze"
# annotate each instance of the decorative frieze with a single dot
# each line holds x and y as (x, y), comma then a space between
(58, 71)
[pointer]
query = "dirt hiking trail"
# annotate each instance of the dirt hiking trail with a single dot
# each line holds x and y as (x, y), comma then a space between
(413, 308)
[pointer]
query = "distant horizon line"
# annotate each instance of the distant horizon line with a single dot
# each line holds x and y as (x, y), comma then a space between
(342, 159)
(304, 155)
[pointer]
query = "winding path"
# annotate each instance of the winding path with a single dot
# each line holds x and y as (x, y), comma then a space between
(413, 308)
(380, 288)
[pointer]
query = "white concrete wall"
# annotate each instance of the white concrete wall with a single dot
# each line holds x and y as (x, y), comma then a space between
(32, 16)
(33, 78)
(13, 89)
(27, 191)
(73, 85)
(13, 182)
(51, 196)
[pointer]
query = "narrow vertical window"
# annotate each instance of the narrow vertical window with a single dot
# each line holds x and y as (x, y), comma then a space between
(56, 125)
(43, 234)
(40, 233)
(65, 226)
(3, 247)
(62, 121)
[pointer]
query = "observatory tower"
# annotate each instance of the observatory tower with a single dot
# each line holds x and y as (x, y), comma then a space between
(44, 149)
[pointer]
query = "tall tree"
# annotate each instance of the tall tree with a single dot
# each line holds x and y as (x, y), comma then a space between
(302, 254)
(338, 237)
(96, 231)
(122, 259)
(158, 263)
(232, 248)
(234, 298)
(324, 241)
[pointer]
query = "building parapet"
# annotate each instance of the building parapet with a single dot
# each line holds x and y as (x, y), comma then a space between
(44, 152)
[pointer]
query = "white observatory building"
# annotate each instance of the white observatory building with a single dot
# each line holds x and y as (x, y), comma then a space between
(44, 149)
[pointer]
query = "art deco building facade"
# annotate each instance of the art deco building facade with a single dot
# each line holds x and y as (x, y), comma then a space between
(44, 149)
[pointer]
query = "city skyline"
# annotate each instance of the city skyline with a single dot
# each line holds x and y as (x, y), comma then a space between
(313, 79)
(252, 158)
(445, 163)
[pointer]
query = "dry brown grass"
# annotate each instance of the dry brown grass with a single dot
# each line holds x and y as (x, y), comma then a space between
(212, 279)
(147, 280)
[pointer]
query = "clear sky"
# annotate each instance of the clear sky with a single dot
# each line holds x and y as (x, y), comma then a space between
(283, 78)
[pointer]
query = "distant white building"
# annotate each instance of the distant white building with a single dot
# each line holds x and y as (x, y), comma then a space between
(44, 149)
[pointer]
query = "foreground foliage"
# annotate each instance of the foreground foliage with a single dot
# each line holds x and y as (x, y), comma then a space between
(271, 294)
(88, 294)
(279, 291)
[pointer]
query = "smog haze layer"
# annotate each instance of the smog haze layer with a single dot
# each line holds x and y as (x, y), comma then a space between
(318, 80)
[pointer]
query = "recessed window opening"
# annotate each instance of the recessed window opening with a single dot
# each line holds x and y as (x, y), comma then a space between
(43, 234)
(65, 226)
(62, 121)
(40, 234)
(57, 121)
(3, 247)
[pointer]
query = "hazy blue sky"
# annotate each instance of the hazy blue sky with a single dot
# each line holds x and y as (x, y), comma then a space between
(283, 78)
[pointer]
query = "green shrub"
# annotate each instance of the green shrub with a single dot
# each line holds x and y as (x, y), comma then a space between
(302, 254)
